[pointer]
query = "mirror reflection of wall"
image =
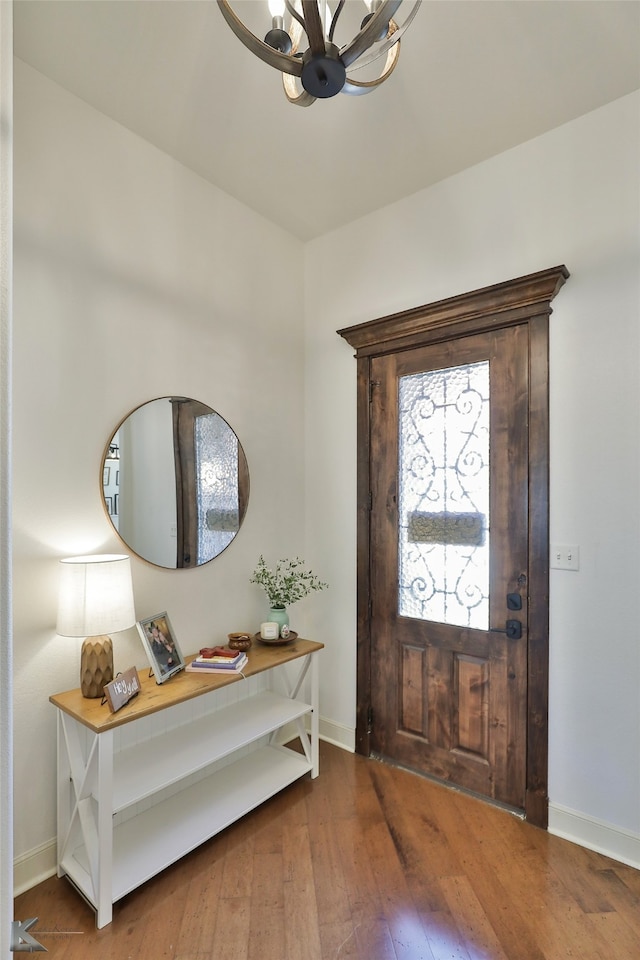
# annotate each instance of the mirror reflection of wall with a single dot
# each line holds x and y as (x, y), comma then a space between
(175, 482)
(111, 481)
(147, 507)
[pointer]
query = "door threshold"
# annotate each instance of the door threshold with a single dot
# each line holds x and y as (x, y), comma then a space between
(513, 811)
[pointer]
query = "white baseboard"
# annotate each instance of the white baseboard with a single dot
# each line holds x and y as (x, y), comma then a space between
(41, 863)
(335, 733)
(35, 866)
(338, 735)
(614, 842)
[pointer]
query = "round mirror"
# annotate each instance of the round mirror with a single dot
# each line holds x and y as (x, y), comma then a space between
(175, 482)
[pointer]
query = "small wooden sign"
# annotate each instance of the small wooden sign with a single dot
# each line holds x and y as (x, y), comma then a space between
(124, 688)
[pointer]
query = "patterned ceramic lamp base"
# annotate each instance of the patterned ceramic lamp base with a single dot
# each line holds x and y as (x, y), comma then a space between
(96, 666)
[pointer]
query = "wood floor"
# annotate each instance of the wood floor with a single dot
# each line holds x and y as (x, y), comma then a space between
(365, 862)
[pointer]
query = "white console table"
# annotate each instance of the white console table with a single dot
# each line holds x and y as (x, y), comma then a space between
(139, 788)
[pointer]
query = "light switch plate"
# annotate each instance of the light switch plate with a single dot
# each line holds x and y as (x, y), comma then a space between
(565, 557)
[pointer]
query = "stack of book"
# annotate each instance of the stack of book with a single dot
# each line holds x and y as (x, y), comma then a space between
(218, 660)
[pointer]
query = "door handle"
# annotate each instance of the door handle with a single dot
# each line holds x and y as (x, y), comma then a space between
(513, 630)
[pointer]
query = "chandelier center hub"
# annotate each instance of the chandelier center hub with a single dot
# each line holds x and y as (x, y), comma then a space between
(323, 74)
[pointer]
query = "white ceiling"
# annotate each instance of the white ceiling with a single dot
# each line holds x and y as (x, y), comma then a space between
(474, 78)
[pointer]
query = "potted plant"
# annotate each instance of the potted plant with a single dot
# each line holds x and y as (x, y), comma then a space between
(286, 583)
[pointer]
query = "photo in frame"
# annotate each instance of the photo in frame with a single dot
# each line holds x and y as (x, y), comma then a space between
(161, 645)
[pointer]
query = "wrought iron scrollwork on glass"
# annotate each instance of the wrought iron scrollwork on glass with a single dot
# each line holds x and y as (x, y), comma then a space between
(444, 495)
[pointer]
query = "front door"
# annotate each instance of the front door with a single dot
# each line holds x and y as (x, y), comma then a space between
(453, 538)
(449, 561)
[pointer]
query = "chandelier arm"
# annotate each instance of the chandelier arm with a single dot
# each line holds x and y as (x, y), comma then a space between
(281, 61)
(334, 20)
(363, 40)
(298, 98)
(296, 32)
(313, 27)
(294, 13)
(359, 87)
(390, 40)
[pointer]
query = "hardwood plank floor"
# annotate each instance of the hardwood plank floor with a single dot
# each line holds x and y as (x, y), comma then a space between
(367, 862)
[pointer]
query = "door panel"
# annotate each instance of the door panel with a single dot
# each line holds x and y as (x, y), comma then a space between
(448, 687)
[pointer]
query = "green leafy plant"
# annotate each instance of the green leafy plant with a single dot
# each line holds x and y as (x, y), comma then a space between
(287, 582)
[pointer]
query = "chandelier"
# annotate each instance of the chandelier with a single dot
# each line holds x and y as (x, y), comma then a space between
(320, 70)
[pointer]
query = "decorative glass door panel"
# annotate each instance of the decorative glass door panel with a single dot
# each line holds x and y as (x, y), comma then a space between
(216, 449)
(443, 485)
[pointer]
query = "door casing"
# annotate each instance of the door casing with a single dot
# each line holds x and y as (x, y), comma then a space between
(524, 300)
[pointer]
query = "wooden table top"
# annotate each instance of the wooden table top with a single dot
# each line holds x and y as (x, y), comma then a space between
(183, 686)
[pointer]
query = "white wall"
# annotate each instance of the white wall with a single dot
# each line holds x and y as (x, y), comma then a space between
(133, 279)
(571, 196)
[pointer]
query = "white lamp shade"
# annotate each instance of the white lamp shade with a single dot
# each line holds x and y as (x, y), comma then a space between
(96, 596)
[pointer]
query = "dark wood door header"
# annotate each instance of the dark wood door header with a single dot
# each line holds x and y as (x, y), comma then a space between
(500, 305)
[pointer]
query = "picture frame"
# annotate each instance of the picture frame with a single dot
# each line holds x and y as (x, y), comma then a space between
(109, 505)
(161, 645)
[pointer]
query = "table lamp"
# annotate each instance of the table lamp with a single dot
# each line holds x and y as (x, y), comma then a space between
(96, 598)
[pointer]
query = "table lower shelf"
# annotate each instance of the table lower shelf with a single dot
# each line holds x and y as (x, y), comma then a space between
(160, 835)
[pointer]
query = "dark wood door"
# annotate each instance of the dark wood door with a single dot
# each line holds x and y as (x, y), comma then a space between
(449, 560)
(445, 714)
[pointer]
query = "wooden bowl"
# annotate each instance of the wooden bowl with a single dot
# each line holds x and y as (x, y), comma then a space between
(239, 641)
